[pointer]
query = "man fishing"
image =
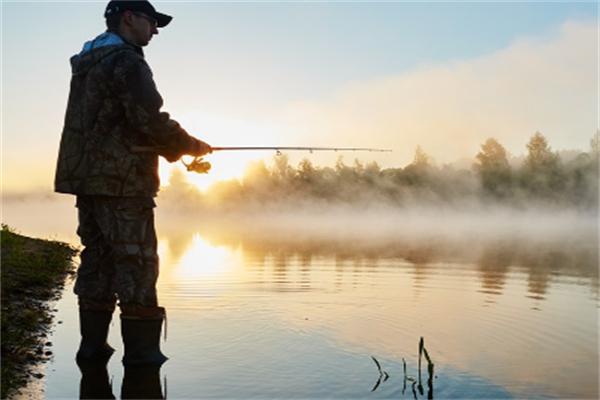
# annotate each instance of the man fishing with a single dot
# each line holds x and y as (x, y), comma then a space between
(113, 106)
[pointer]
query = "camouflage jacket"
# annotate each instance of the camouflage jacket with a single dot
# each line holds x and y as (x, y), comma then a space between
(114, 105)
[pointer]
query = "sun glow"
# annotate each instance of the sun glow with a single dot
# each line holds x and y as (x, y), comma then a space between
(205, 261)
(222, 130)
(225, 166)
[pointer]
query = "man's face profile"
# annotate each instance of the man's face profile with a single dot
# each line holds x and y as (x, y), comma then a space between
(140, 27)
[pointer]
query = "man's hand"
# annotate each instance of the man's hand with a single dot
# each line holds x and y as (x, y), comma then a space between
(200, 148)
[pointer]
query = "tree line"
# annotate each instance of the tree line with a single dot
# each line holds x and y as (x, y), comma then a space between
(541, 176)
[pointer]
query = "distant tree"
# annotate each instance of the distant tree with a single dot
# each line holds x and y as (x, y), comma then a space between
(582, 181)
(359, 168)
(595, 144)
(493, 168)
(307, 178)
(421, 159)
(282, 172)
(595, 158)
(582, 173)
(542, 174)
(181, 189)
(306, 171)
(418, 172)
(256, 170)
(257, 179)
(540, 155)
(569, 178)
(346, 174)
(492, 154)
(339, 164)
(372, 169)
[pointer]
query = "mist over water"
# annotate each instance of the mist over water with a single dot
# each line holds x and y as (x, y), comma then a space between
(456, 230)
(372, 225)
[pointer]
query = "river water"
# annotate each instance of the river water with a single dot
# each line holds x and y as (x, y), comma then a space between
(290, 314)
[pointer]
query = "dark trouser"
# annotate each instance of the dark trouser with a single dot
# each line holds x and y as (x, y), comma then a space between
(119, 259)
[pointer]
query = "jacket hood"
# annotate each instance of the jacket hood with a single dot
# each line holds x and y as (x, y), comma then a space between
(95, 50)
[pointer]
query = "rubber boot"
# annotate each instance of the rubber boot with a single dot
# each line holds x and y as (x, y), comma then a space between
(142, 382)
(93, 326)
(141, 338)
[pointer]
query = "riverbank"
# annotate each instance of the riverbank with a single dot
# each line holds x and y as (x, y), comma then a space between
(33, 273)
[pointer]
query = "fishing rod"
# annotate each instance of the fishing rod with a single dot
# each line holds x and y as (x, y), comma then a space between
(202, 167)
(306, 148)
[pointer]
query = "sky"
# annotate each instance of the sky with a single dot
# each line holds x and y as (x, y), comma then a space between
(442, 75)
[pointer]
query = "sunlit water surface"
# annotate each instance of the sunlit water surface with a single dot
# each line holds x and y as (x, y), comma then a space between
(289, 318)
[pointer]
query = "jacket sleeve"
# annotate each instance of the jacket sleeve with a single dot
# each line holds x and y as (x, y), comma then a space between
(135, 87)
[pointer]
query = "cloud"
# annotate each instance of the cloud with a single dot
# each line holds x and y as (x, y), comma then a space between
(546, 84)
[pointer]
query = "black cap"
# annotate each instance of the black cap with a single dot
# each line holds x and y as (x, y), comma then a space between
(118, 6)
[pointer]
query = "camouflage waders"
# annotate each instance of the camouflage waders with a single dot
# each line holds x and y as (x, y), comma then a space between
(113, 106)
(119, 259)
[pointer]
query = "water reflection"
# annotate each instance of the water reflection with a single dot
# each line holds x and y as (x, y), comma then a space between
(420, 272)
(142, 382)
(95, 383)
(178, 244)
(383, 375)
(305, 262)
(376, 297)
(416, 382)
(493, 266)
(139, 382)
(542, 262)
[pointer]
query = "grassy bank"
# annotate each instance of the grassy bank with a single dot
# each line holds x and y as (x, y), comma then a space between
(33, 272)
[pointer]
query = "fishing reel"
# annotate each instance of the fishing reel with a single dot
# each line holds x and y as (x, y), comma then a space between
(198, 165)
